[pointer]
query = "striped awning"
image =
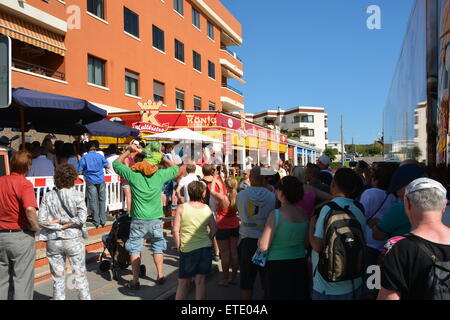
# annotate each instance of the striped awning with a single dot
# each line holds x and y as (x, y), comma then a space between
(30, 33)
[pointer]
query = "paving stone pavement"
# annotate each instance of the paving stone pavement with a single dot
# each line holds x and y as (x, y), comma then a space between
(102, 286)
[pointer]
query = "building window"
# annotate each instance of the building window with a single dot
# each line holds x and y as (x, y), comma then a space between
(283, 119)
(178, 6)
(211, 70)
(212, 106)
(296, 119)
(179, 50)
(96, 7)
(179, 99)
(131, 22)
(326, 135)
(96, 71)
(158, 91)
(308, 133)
(309, 119)
(416, 133)
(131, 83)
(210, 30)
(197, 103)
(326, 124)
(197, 59)
(158, 38)
(196, 18)
(416, 119)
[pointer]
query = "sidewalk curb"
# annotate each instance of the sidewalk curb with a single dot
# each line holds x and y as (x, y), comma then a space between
(173, 290)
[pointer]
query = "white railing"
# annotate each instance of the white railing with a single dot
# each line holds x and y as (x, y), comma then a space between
(114, 195)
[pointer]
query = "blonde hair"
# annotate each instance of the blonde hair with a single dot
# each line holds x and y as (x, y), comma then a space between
(299, 173)
(231, 185)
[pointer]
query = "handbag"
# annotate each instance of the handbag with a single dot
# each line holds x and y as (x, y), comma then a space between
(260, 258)
(83, 227)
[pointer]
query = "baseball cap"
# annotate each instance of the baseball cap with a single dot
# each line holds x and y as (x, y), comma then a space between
(325, 160)
(404, 175)
(425, 183)
(260, 171)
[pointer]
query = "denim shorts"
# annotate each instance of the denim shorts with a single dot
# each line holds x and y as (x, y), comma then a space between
(142, 229)
(197, 262)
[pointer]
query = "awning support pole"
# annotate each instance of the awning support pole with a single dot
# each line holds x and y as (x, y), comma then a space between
(22, 126)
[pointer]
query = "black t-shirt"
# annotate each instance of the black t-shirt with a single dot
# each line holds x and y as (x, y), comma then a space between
(406, 267)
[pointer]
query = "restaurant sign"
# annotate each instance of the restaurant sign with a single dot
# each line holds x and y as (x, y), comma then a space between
(149, 123)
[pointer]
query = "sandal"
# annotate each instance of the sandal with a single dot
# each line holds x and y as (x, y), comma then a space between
(133, 286)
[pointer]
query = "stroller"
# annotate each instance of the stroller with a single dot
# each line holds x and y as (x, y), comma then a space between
(114, 242)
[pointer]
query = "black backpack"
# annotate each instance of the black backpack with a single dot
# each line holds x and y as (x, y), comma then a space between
(343, 253)
(438, 286)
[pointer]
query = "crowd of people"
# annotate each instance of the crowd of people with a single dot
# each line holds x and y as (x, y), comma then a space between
(307, 232)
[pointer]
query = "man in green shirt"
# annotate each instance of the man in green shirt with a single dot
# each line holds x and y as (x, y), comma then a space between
(146, 212)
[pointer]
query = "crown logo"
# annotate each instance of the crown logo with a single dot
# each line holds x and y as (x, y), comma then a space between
(149, 110)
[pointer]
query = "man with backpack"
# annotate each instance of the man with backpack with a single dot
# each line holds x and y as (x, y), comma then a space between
(417, 266)
(337, 237)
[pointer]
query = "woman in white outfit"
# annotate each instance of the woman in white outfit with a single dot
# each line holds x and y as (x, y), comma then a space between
(62, 215)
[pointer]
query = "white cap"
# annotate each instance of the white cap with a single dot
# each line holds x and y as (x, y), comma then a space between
(424, 183)
(325, 160)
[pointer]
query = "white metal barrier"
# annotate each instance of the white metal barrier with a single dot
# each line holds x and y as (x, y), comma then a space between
(114, 195)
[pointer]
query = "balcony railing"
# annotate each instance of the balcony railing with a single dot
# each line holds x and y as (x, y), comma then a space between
(233, 54)
(23, 65)
(233, 89)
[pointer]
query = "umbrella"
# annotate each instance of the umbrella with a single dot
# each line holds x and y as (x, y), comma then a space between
(102, 128)
(32, 108)
(183, 134)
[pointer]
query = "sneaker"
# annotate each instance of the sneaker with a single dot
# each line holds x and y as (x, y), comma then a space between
(133, 286)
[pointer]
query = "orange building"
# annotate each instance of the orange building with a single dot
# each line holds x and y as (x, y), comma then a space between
(116, 53)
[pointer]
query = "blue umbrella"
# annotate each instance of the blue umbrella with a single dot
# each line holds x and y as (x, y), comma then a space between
(102, 128)
(47, 109)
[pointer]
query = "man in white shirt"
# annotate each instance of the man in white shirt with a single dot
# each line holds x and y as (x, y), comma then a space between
(41, 166)
(185, 181)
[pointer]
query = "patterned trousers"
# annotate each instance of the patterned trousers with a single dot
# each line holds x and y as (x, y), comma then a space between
(74, 249)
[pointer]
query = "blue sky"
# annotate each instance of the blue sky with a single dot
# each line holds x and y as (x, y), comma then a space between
(321, 53)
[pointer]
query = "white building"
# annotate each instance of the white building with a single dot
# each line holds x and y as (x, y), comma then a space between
(336, 145)
(308, 123)
(420, 129)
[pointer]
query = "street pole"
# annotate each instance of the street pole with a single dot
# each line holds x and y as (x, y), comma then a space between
(342, 140)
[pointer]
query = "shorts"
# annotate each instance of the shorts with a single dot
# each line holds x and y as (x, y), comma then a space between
(168, 188)
(125, 186)
(197, 262)
(141, 229)
(225, 234)
(246, 250)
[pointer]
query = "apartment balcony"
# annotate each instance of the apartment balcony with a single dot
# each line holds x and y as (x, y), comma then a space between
(296, 126)
(231, 98)
(37, 70)
(231, 61)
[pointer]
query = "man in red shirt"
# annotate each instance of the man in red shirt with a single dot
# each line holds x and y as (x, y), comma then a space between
(18, 223)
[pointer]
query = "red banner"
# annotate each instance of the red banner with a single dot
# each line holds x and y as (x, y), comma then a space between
(167, 120)
(291, 153)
